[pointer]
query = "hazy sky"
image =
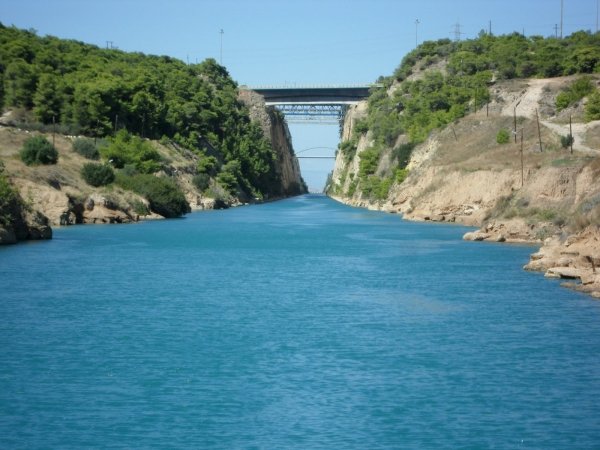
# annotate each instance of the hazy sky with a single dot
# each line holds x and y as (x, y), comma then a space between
(268, 42)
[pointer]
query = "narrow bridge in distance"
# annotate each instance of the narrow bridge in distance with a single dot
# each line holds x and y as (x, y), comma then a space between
(313, 104)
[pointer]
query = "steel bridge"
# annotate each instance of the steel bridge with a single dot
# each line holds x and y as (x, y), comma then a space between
(313, 104)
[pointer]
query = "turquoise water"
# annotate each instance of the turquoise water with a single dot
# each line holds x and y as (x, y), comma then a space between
(301, 324)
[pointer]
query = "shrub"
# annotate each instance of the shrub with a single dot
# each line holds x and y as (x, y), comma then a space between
(576, 91)
(129, 149)
(361, 126)
(96, 174)
(163, 195)
(207, 164)
(38, 150)
(402, 153)
(139, 207)
(567, 141)
(86, 148)
(369, 159)
(201, 181)
(592, 108)
(503, 136)
(348, 149)
(401, 175)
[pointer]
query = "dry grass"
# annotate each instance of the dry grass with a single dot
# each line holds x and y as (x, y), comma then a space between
(475, 146)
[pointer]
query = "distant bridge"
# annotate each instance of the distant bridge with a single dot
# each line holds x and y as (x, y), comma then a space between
(322, 104)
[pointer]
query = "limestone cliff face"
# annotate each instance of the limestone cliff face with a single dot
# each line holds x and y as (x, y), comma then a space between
(276, 129)
(461, 174)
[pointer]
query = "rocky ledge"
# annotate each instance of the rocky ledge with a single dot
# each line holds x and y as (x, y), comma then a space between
(25, 225)
(574, 258)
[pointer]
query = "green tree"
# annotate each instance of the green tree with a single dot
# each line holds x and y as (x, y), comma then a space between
(126, 148)
(19, 83)
(47, 100)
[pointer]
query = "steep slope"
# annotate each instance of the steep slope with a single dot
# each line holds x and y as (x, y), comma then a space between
(428, 147)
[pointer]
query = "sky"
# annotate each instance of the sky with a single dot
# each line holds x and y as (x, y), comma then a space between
(293, 42)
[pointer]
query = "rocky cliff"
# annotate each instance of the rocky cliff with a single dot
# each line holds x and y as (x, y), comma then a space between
(514, 193)
(275, 127)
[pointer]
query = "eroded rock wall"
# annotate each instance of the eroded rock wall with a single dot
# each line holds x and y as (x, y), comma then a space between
(276, 129)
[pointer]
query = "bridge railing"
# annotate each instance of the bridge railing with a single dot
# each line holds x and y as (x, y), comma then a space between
(308, 86)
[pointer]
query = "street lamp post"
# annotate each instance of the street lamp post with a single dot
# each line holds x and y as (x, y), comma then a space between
(417, 22)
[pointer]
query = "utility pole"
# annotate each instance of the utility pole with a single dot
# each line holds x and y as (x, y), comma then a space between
(417, 33)
(537, 117)
(571, 138)
(561, 17)
(109, 44)
(556, 30)
(522, 166)
(490, 28)
(597, 11)
(221, 58)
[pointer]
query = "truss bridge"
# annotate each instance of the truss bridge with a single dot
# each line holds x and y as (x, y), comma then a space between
(313, 104)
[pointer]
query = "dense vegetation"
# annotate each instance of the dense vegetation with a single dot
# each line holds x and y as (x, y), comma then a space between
(10, 201)
(83, 89)
(453, 80)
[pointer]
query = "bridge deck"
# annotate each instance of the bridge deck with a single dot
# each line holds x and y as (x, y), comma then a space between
(339, 95)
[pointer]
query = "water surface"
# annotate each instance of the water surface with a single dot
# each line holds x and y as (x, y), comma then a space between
(298, 324)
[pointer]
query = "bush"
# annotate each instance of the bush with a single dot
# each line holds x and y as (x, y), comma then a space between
(503, 136)
(576, 91)
(402, 153)
(129, 149)
(139, 207)
(401, 175)
(201, 181)
(38, 150)
(86, 148)
(361, 126)
(163, 195)
(207, 165)
(369, 159)
(96, 174)
(592, 108)
(567, 141)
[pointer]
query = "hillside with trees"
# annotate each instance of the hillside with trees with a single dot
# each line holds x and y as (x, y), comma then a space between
(131, 111)
(443, 81)
(499, 132)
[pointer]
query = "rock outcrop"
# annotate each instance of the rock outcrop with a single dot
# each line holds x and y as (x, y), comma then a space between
(276, 129)
(23, 223)
(576, 257)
